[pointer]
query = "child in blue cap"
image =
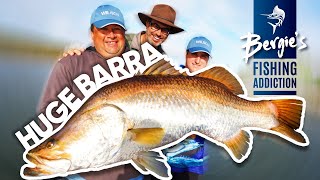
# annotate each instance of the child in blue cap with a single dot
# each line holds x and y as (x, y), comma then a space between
(198, 53)
(187, 159)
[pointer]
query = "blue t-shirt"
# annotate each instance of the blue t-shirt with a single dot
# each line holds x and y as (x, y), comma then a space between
(181, 161)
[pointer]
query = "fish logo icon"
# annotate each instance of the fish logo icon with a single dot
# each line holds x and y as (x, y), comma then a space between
(278, 14)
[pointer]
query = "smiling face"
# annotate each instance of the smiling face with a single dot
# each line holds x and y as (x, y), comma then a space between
(156, 33)
(109, 41)
(196, 61)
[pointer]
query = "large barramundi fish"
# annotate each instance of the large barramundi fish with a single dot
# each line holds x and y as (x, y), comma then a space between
(125, 121)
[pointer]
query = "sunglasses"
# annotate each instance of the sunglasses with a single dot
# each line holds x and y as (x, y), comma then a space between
(155, 27)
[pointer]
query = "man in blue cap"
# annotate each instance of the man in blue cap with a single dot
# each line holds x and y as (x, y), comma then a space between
(187, 159)
(108, 39)
(160, 23)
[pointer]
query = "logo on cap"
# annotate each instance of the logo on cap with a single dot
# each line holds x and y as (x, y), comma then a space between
(110, 12)
(202, 42)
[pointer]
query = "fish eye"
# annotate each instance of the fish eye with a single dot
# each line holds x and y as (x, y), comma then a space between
(50, 144)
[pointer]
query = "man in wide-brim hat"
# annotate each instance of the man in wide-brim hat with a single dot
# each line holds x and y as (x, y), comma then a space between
(159, 25)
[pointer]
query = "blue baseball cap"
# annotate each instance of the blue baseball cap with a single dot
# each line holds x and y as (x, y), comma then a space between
(105, 15)
(200, 44)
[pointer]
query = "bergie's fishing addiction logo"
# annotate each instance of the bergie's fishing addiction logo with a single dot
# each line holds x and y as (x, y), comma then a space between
(273, 47)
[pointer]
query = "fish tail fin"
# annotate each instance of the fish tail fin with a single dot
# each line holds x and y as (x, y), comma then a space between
(288, 112)
(153, 162)
(273, 27)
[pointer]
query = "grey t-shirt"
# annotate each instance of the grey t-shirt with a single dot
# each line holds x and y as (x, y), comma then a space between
(65, 71)
(62, 75)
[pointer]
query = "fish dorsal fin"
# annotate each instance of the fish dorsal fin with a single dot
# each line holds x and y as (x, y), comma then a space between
(223, 76)
(217, 73)
(161, 67)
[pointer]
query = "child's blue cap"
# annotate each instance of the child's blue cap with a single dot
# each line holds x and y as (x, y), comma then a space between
(200, 44)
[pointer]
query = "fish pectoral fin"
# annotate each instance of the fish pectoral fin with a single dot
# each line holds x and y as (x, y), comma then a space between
(147, 136)
(223, 76)
(137, 163)
(153, 162)
(239, 145)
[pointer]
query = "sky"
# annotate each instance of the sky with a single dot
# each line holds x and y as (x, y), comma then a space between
(222, 22)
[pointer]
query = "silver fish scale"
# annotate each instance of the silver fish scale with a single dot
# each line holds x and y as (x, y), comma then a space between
(217, 121)
(177, 115)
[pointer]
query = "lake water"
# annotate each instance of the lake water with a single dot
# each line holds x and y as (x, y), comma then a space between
(21, 83)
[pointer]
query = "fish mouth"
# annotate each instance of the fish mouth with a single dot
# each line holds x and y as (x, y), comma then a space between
(35, 172)
(34, 158)
(46, 167)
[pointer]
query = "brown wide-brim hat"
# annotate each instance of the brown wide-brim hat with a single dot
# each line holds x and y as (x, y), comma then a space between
(164, 14)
